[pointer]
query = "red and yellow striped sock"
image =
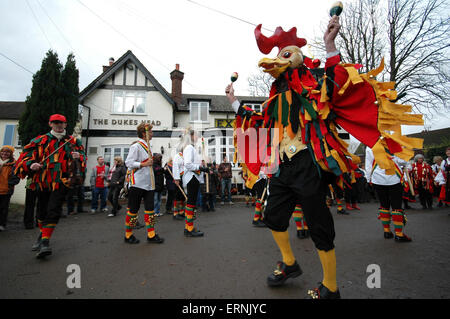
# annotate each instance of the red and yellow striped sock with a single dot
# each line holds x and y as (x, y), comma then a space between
(149, 217)
(340, 206)
(47, 231)
(175, 208)
(181, 207)
(385, 217)
(130, 221)
(398, 220)
(298, 216)
(189, 217)
(258, 205)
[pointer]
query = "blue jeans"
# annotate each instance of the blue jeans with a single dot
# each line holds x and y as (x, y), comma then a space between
(226, 182)
(95, 193)
(199, 198)
(157, 202)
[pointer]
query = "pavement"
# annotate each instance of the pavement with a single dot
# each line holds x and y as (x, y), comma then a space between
(231, 261)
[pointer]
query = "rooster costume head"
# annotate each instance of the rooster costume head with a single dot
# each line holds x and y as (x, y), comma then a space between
(289, 55)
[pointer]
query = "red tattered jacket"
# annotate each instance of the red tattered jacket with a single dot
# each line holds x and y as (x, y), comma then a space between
(55, 170)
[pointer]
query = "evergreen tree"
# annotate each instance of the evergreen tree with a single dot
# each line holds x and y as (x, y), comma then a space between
(54, 90)
(69, 79)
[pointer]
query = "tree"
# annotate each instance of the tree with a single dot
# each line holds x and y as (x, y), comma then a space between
(69, 79)
(53, 91)
(412, 35)
(259, 83)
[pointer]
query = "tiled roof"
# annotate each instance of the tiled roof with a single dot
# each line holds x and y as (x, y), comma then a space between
(217, 103)
(11, 110)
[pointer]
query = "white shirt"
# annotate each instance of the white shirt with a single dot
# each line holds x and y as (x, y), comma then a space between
(140, 175)
(192, 163)
(440, 179)
(379, 176)
(178, 166)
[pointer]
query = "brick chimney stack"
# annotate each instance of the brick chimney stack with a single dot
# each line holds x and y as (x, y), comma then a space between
(177, 78)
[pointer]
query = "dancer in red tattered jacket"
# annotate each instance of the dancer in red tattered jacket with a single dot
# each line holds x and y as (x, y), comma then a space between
(423, 179)
(306, 148)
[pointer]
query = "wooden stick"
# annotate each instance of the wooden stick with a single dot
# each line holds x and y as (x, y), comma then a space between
(206, 173)
(411, 186)
(150, 156)
(179, 187)
(42, 162)
(264, 192)
(331, 191)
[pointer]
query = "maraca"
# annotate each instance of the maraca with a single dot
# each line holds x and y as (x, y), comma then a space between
(234, 76)
(336, 8)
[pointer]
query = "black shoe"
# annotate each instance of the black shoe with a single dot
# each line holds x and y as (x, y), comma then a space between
(402, 239)
(301, 233)
(132, 240)
(323, 292)
(282, 273)
(306, 233)
(44, 250)
(155, 240)
(258, 223)
(178, 217)
(37, 245)
(388, 235)
(343, 212)
(193, 233)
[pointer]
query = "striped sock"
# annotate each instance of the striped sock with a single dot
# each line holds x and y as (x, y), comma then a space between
(189, 215)
(47, 231)
(298, 216)
(181, 207)
(130, 221)
(385, 217)
(258, 205)
(340, 206)
(149, 217)
(399, 221)
(175, 208)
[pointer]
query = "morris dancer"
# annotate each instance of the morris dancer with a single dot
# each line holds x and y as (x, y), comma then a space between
(47, 159)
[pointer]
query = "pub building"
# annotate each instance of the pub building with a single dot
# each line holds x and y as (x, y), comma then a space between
(126, 94)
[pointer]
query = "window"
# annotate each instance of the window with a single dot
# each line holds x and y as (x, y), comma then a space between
(10, 133)
(128, 102)
(255, 106)
(219, 147)
(113, 151)
(198, 111)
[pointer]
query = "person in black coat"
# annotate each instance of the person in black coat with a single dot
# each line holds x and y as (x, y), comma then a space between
(119, 171)
(170, 186)
(159, 182)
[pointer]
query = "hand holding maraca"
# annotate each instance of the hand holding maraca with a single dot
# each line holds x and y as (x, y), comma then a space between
(229, 90)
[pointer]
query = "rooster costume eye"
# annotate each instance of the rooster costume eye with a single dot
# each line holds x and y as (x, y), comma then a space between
(287, 54)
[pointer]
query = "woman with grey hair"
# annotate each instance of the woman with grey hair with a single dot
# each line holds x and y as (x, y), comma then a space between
(423, 181)
(436, 167)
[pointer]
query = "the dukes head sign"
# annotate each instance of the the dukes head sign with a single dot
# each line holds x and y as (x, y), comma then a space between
(124, 122)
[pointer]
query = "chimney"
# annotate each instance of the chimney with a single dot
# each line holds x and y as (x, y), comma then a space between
(177, 78)
(111, 62)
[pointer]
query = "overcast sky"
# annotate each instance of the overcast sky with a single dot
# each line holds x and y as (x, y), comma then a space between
(208, 46)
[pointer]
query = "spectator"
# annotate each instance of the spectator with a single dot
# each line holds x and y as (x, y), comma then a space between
(225, 174)
(29, 219)
(170, 186)
(159, 182)
(208, 202)
(116, 181)
(7, 182)
(99, 178)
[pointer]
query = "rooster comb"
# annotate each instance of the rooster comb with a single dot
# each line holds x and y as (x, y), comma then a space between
(279, 39)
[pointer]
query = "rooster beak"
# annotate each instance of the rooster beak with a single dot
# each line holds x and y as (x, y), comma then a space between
(275, 67)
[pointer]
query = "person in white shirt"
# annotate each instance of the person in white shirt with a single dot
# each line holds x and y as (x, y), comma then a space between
(443, 179)
(389, 190)
(141, 187)
(192, 178)
(178, 172)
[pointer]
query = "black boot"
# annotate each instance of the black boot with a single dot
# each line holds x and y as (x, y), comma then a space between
(343, 212)
(306, 233)
(282, 273)
(402, 239)
(193, 233)
(323, 292)
(301, 233)
(155, 239)
(388, 235)
(37, 245)
(45, 249)
(131, 240)
(258, 223)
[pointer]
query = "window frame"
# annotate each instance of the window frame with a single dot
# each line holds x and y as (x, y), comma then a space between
(199, 113)
(137, 94)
